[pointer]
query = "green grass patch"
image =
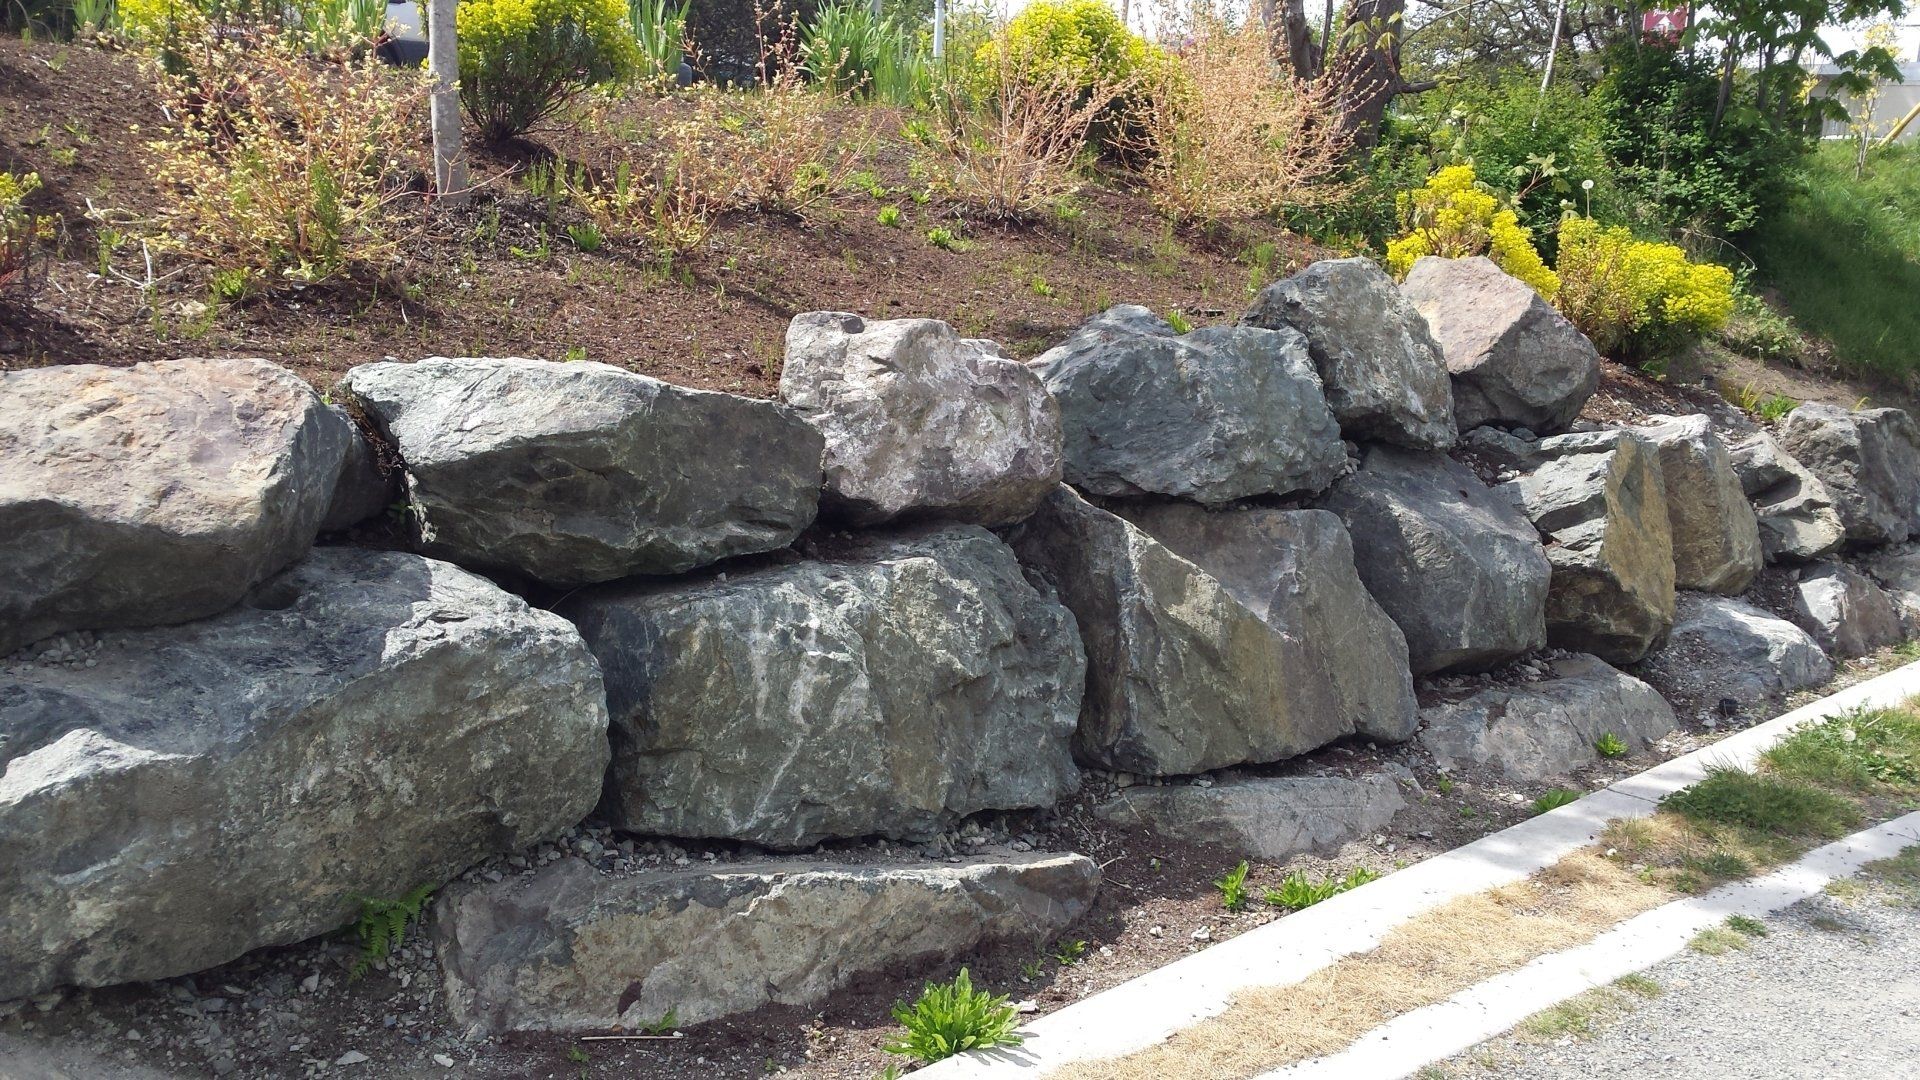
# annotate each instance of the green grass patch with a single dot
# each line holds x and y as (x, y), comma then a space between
(1864, 751)
(1718, 941)
(1845, 257)
(1764, 804)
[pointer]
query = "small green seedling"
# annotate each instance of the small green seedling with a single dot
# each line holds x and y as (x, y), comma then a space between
(1068, 953)
(1179, 322)
(945, 239)
(1745, 924)
(1233, 888)
(1298, 891)
(1554, 799)
(889, 216)
(382, 926)
(1610, 745)
(952, 1018)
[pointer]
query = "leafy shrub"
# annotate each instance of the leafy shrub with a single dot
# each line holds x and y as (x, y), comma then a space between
(848, 50)
(520, 60)
(166, 27)
(659, 36)
(1079, 43)
(21, 230)
(1756, 329)
(1455, 216)
(1224, 137)
(284, 165)
(952, 1018)
(1636, 298)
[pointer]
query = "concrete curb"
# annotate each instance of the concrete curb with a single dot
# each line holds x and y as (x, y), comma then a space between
(1145, 1010)
(1414, 1040)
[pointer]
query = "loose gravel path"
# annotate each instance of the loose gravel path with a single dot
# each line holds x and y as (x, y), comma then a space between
(1833, 990)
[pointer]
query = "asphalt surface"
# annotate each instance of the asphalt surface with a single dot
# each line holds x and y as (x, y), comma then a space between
(1833, 990)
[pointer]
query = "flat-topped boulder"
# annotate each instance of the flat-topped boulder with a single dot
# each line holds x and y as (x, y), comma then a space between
(1536, 731)
(1723, 648)
(574, 473)
(1515, 360)
(1213, 415)
(1795, 514)
(1869, 460)
(1265, 648)
(1384, 376)
(154, 494)
(1716, 538)
(1271, 819)
(905, 682)
(569, 948)
(361, 725)
(1844, 610)
(1599, 500)
(920, 422)
(1456, 566)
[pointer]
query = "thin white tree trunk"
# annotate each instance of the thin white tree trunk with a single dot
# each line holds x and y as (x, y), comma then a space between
(443, 65)
(939, 29)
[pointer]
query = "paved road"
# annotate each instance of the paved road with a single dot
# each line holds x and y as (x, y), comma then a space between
(1832, 991)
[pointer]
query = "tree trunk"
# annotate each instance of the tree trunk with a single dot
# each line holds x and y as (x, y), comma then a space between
(1368, 71)
(443, 65)
(1302, 53)
(1727, 68)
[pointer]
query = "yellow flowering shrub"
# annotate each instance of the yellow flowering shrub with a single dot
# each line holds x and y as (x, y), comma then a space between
(1637, 298)
(1081, 43)
(20, 229)
(1455, 216)
(520, 60)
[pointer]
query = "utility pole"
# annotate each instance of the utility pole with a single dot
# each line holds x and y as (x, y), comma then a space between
(443, 67)
(1553, 46)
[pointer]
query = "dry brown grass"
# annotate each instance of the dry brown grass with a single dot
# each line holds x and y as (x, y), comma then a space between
(1020, 151)
(1227, 134)
(1447, 950)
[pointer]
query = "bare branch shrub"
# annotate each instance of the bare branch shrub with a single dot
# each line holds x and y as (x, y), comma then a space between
(285, 165)
(1227, 132)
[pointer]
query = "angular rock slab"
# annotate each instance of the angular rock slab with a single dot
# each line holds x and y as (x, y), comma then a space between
(1268, 818)
(1454, 564)
(154, 494)
(1270, 649)
(581, 472)
(1716, 538)
(1795, 514)
(1214, 415)
(1600, 501)
(1516, 362)
(1540, 730)
(1845, 611)
(912, 681)
(1869, 461)
(921, 422)
(363, 724)
(1730, 649)
(361, 490)
(573, 949)
(1385, 379)
(1898, 572)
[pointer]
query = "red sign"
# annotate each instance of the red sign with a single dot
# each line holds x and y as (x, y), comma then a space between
(1664, 25)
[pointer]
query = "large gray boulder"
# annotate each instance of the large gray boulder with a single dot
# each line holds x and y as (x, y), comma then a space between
(1726, 648)
(1897, 570)
(921, 422)
(1267, 649)
(1795, 514)
(582, 472)
(1456, 566)
(1382, 370)
(1844, 610)
(1214, 415)
(1294, 569)
(1716, 539)
(1516, 362)
(1536, 731)
(361, 725)
(568, 948)
(1869, 461)
(154, 494)
(1271, 819)
(909, 681)
(1600, 501)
